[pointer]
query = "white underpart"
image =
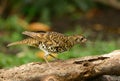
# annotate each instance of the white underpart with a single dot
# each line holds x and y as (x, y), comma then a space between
(46, 52)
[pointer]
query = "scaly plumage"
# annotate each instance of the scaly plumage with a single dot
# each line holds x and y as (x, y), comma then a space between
(51, 42)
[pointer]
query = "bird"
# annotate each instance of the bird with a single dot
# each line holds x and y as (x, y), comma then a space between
(50, 42)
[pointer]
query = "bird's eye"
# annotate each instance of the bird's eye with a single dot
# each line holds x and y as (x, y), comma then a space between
(82, 38)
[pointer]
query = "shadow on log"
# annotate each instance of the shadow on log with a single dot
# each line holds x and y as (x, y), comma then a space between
(90, 68)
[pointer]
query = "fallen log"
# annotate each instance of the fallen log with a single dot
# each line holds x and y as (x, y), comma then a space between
(89, 68)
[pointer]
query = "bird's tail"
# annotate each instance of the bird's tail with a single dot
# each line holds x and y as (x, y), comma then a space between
(28, 41)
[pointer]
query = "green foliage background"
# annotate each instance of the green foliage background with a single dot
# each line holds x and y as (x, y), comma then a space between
(44, 11)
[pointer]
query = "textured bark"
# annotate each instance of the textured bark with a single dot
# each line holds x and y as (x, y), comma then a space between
(90, 68)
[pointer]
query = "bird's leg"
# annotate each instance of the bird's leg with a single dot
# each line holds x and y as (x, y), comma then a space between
(54, 57)
(45, 58)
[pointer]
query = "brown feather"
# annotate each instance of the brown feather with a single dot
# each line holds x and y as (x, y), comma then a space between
(28, 41)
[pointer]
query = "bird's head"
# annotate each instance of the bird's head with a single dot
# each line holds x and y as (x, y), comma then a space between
(79, 39)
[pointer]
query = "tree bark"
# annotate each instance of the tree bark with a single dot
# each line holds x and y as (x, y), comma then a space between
(89, 68)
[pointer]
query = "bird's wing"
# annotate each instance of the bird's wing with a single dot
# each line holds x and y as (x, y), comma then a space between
(28, 41)
(34, 35)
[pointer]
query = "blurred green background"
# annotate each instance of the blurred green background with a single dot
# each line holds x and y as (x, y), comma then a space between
(98, 21)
